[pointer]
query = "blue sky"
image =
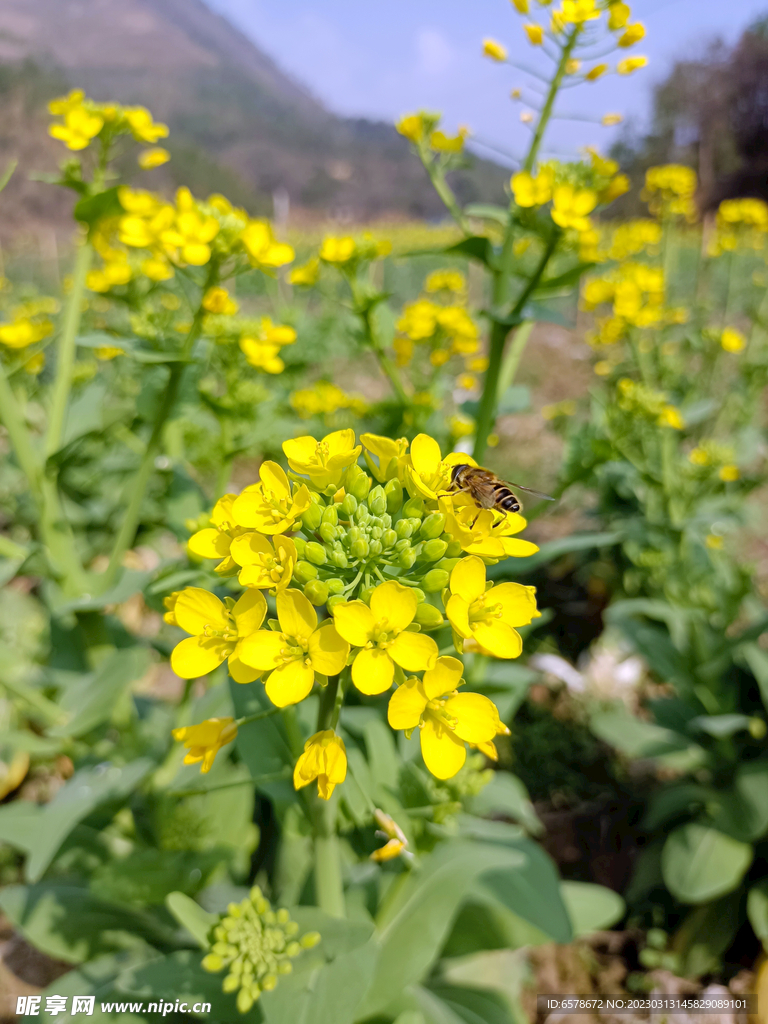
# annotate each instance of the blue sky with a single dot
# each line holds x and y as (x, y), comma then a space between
(380, 60)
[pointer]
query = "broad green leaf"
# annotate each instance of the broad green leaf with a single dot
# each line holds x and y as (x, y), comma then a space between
(757, 910)
(487, 211)
(92, 700)
(757, 659)
(591, 908)
(568, 277)
(505, 795)
(511, 568)
(634, 737)
(705, 934)
(191, 916)
(131, 581)
(720, 725)
(382, 754)
(92, 209)
(477, 247)
(71, 924)
(700, 863)
(414, 924)
(673, 801)
(474, 1005)
(97, 978)
(742, 811)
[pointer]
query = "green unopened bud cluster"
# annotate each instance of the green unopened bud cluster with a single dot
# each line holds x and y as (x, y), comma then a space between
(373, 532)
(257, 945)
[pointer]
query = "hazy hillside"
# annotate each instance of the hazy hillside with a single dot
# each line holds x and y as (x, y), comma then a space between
(238, 122)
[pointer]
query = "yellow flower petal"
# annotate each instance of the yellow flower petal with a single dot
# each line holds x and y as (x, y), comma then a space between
(290, 684)
(500, 640)
(407, 704)
(477, 717)
(239, 671)
(249, 612)
(457, 611)
(468, 578)
(443, 754)
(209, 544)
(198, 655)
(196, 608)
(425, 455)
(274, 479)
(373, 671)
(518, 603)
(328, 651)
(299, 450)
(394, 604)
(443, 678)
(354, 621)
(413, 651)
(297, 616)
(262, 650)
(246, 549)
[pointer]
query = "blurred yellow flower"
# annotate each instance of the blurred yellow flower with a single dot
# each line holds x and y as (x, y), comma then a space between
(294, 653)
(443, 143)
(79, 128)
(381, 632)
(714, 541)
(218, 300)
(412, 127)
(107, 352)
(307, 274)
(699, 457)
(633, 34)
(445, 280)
(494, 50)
(521, 6)
(610, 119)
(618, 16)
(151, 158)
(535, 34)
(143, 127)
(571, 206)
(732, 340)
(576, 12)
(630, 64)
(532, 190)
(338, 250)
(24, 331)
(263, 248)
(729, 473)
(324, 759)
(596, 72)
(205, 740)
(671, 417)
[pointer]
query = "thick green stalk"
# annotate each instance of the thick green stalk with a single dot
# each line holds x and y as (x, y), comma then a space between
(127, 532)
(363, 310)
(443, 189)
(549, 102)
(67, 349)
(329, 884)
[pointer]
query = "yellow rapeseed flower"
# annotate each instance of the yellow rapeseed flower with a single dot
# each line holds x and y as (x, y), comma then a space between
(443, 143)
(484, 534)
(218, 300)
(324, 759)
(630, 64)
(618, 16)
(632, 34)
(307, 274)
(269, 506)
(445, 280)
(488, 617)
(576, 12)
(397, 842)
(571, 206)
(24, 331)
(732, 340)
(699, 457)
(535, 34)
(596, 72)
(294, 653)
(608, 120)
(521, 6)
(428, 474)
(412, 127)
(381, 632)
(729, 473)
(671, 416)
(532, 190)
(150, 158)
(445, 718)
(204, 740)
(323, 461)
(34, 365)
(338, 250)
(79, 128)
(218, 631)
(215, 541)
(263, 248)
(391, 456)
(494, 50)
(143, 127)
(266, 564)
(107, 352)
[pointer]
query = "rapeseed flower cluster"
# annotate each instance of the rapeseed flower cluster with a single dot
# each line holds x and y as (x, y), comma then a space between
(83, 120)
(324, 399)
(741, 224)
(434, 145)
(640, 400)
(362, 567)
(669, 191)
(438, 322)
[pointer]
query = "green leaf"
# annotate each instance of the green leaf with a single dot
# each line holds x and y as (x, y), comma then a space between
(514, 567)
(568, 277)
(94, 208)
(382, 754)
(705, 934)
(742, 811)
(634, 737)
(473, 1005)
(44, 829)
(673, 801)
(191, 916)
(476, 247)
(98, 978)
(505, 795)
(757, 910)
(415, 922)
(700, 863)
(487, 211)
(720, 725)
(592, 908)
(757, 659)
(130, 582)
(92, 699)
(71, 924)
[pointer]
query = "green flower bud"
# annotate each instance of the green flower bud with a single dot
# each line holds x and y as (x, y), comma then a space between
(312, 517)
(315, 553)
(435, 581)
(332, 602)
(415, 523)
(212, 963)
(406, 558)
(357, 482)
(335, 586)
(354, 533)
(377, 500)
(757, 728)
(300, 545)
(316, 591)
(365, 595)
(385, 521)
(454, 549)
(331, 515)
(304, 572)
(402, 545)
(244, 1000)
(339, 559)
(394, 493)
(376, 532)
(414, 508)
(428, 617)
(374, 547)
(388, 538)
(327, 532)
(420, 595)
(404, 528)
(359, 549)
(348, 505)
(231, 983)
(447, 563)
(310, 940)
(432, 526)
(431, 551)
(362, 515)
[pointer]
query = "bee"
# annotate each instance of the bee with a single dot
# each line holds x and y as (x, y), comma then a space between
(486, 490)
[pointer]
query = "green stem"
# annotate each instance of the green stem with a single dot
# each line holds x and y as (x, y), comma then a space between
(329, 884)
(486, 415)
(127, 532)
(67, 349)
(363, 310)
(546, 110)
(222, 477)
(444, 190)
(514, 355)
(259, 780)
(258, 716)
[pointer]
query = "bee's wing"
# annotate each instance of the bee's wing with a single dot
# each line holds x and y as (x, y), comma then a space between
(530, 490)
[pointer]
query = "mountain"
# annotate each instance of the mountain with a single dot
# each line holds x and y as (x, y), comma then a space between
(238, 123)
